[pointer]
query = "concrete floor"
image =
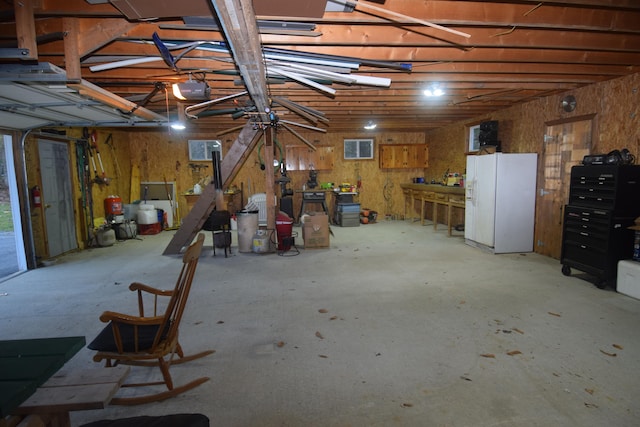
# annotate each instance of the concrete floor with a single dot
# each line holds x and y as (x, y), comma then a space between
(390, 326)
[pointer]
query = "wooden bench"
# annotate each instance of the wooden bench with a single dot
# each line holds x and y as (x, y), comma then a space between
(71, 390)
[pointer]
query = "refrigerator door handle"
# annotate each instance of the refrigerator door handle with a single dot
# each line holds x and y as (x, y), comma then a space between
(469, 190)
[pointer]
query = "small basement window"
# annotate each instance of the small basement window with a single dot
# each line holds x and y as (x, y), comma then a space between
(202, 149)
(358, 148)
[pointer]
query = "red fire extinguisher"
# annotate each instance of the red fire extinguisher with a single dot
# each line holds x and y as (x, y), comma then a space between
(36, 197)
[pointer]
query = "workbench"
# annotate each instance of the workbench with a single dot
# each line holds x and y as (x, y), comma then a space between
(440, 196)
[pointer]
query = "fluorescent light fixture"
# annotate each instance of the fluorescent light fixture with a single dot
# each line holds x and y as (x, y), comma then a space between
(434, 90)
(191, 90)
(370, 125)
(178, 126)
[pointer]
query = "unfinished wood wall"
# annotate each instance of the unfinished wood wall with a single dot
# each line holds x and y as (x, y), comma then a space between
(157, 154)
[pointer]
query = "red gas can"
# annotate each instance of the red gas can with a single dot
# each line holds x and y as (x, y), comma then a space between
(113, 205)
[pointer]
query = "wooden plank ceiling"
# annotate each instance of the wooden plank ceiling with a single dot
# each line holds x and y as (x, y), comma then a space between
(515, 51)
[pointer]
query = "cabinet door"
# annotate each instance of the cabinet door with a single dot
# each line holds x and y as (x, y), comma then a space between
(403, 156)
(419, 156)
(390, 156)
(301, 157)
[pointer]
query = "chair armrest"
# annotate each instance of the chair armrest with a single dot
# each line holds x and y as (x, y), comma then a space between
(109, 316)
(137, 286)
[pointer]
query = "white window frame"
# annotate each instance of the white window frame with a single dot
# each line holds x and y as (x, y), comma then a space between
(358, 155)
(201, 149)
(474, 138)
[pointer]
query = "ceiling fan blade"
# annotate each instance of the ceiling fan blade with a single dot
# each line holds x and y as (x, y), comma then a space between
(164, 51)
(300, 137)
(210, 102)
(302, 125)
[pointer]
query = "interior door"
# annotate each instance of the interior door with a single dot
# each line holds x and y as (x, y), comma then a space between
(565, 144)
(57, 197)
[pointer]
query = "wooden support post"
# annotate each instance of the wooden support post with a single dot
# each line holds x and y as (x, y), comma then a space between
(270, 181)
(71, 28)
(26, 27)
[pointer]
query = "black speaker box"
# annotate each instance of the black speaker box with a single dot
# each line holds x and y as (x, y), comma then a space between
(488, 133)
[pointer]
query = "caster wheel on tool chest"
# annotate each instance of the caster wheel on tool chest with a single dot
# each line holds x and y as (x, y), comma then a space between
(566, 270)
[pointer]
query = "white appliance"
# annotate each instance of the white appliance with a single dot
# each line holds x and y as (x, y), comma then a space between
(500, 191)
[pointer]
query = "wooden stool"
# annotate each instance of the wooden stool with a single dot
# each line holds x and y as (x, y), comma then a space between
(454, 202)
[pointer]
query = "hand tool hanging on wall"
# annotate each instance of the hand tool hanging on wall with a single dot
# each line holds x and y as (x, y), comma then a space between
(94, 145)
(84, 178)
(171, 204)
(109, 143)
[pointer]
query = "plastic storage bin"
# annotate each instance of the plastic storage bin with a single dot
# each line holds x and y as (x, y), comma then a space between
(629, 278)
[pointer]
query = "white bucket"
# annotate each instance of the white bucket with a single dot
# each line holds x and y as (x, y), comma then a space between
(146, 217)
(146, 207)
(247, 226)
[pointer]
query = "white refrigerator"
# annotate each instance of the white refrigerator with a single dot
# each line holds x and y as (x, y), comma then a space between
(500, 191)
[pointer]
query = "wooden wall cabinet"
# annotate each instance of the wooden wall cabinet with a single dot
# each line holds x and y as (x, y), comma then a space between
(301, 158)
(403, 156)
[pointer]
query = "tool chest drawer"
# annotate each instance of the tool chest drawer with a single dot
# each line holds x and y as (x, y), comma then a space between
(614, 187)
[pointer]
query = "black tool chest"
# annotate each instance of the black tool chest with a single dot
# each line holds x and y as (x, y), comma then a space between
(604, 201)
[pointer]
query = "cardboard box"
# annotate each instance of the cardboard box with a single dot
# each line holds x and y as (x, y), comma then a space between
(315, 231)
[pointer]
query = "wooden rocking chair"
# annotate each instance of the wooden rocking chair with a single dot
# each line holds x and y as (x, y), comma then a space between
(151, 340)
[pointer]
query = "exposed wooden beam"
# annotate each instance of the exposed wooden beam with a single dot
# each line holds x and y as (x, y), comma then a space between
(239, 25)
(25, 28)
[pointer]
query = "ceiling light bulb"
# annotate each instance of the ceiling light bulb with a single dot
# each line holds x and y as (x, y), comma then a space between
(434, 89)
(177, 93)
(178, 126)
(370, 125)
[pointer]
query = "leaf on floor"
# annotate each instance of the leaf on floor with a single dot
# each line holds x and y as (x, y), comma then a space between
(590, 405)
(608, 354)
(280, 343)
(465, 378)
(488, 355)
(407, 405)
(589, 390)
(517, 330)
(220, 322)
(323, 310)
(554, 314)
(198, 322)
(333, 317)
(319, 335)
(513, 352)
(618, 346)
(323, 356)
